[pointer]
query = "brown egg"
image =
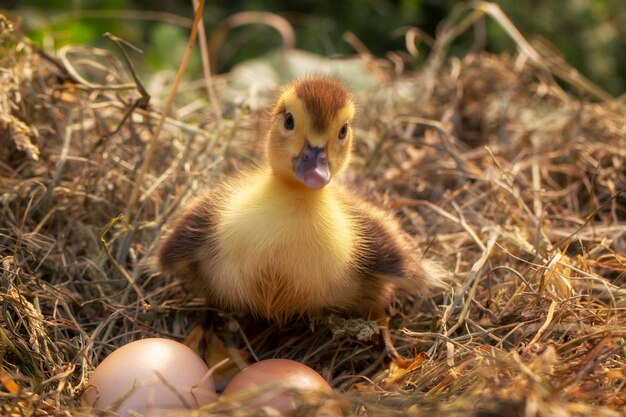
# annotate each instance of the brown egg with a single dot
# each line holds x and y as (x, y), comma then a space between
(149, 377)
(281, 384)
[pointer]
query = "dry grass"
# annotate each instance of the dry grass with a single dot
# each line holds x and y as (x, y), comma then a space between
(514, 183)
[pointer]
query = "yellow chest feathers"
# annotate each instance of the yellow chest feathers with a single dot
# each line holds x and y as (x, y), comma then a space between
(282, 253)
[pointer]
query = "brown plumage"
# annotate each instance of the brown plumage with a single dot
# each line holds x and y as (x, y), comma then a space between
(286, 239)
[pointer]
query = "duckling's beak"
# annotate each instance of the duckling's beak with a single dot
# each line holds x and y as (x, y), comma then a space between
(311, 166)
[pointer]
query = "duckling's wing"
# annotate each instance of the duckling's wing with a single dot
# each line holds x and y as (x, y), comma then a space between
(191, 240)
(382, 253)
(389, 255)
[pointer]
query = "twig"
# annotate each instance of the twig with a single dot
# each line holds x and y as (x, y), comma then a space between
(79, 79)
(145, 97)
(54, 61)
(134, 196)
(141, 102)
(206, 69)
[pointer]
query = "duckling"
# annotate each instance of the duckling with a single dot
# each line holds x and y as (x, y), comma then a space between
(286, 239)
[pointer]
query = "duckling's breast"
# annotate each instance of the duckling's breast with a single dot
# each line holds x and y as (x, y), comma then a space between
(283, 252)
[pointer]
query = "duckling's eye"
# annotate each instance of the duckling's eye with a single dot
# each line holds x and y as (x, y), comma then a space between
(290, 122)
(343, 132)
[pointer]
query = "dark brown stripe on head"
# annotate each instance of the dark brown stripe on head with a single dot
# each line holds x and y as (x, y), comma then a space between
(323, 98)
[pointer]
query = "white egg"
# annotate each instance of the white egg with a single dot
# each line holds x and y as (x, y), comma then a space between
(151, 377)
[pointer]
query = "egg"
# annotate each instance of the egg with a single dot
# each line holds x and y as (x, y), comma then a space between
(275, 383)
(151, 377)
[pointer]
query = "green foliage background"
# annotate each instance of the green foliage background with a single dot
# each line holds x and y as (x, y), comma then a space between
(590, 34)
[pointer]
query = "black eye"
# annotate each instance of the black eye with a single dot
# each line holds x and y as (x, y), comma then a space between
(343, 131)
(290, 122)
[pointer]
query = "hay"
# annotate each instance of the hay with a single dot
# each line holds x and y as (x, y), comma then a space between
(512, 181)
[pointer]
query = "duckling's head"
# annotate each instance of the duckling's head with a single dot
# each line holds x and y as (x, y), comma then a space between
(310, 137)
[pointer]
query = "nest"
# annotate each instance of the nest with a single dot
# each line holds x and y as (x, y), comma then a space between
(509, 176)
